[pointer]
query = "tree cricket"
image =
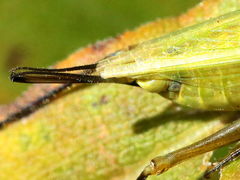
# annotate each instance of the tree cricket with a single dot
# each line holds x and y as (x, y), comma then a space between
(197, 66)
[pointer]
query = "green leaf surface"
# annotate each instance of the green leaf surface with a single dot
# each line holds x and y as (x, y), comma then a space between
(108, 131)
(99, 132)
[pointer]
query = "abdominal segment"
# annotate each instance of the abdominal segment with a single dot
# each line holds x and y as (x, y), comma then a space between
(211, 98)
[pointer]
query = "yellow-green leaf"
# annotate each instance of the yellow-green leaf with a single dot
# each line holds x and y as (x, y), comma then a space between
(111, 131)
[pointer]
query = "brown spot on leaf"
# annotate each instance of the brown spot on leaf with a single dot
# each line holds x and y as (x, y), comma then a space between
(132, 47)
(101, 45)
(104, 100)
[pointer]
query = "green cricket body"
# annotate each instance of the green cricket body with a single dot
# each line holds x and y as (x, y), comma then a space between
(225, 95)
(198, 67)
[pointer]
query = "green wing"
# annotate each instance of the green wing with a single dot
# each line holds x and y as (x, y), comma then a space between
(210, 50)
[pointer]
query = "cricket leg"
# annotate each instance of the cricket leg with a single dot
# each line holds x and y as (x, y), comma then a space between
(231, 157)
(222, 137)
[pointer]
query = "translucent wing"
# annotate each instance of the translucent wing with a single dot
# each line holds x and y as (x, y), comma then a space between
(210, 50)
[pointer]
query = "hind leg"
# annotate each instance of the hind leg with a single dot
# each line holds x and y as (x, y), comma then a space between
(160, 164)
(231, 157)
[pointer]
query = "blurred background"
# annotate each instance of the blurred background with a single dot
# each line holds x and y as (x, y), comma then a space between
(39, 33)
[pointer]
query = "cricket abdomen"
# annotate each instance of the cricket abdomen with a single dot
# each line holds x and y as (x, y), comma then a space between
(199, 96)
(216, 94)
(214, 89)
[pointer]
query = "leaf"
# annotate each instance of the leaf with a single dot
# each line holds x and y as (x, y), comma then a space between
(231, 171)
(110, 131)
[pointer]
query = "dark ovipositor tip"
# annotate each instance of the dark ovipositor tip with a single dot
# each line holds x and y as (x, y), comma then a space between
(12, 76)
(142, 176)
(15, 77)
